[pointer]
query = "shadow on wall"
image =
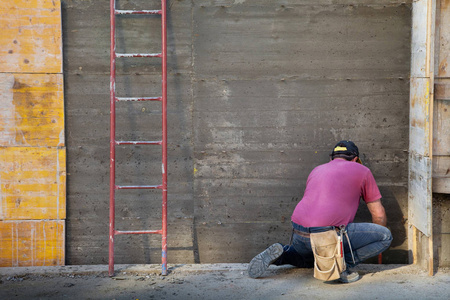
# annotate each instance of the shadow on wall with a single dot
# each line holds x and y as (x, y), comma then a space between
(397, 222)
(177, 98)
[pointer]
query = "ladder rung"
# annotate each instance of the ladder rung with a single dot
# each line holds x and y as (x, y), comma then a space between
(138, 142)
(137, 12)
(116, 232)
(138, 98)
(138, 187)
(138, 55)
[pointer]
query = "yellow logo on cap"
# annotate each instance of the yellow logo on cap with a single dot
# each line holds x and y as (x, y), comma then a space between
(340, 149)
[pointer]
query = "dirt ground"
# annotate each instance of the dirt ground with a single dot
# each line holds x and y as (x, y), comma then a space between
(217, 281)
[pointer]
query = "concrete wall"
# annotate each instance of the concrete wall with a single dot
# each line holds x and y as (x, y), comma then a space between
(259, 92)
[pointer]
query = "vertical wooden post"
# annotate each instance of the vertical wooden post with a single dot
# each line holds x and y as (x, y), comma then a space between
(421, 128)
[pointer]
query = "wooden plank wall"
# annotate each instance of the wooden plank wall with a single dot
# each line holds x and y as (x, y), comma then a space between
(441, 122)
(441, 136)
(32, 148)
(429, 127)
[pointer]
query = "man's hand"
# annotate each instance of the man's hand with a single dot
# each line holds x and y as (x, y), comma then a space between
(378, 213)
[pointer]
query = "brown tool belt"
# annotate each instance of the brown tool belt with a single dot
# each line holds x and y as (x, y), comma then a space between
(301, 233)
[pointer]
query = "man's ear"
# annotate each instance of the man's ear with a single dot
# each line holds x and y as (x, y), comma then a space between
(355, 159)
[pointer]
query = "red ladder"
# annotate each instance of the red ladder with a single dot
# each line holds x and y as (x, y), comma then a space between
(113, 142)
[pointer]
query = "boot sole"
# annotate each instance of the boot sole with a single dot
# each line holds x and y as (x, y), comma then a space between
(259, 264)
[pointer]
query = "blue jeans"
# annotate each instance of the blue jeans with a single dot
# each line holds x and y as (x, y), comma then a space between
(367, 240)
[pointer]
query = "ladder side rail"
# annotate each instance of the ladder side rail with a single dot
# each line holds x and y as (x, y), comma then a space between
(164, 135)
(112, 146)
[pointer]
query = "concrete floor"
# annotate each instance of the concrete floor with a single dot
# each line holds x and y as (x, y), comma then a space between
(217, 281)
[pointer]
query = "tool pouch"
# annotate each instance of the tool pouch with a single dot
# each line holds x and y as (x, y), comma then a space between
(329, 260)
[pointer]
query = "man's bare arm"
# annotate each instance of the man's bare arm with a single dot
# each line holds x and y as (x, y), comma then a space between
(378, 212)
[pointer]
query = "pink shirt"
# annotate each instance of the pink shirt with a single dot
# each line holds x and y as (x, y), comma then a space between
(332, 194)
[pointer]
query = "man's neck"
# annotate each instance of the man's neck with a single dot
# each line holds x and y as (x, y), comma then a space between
(339, 158)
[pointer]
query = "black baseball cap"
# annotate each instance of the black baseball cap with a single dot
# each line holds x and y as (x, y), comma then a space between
(347, 148)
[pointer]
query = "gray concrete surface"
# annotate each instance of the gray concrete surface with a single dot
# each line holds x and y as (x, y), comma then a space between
(217, 281)
(259, 92)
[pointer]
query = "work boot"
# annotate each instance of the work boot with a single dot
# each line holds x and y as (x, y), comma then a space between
(348, 276)
(259, 264)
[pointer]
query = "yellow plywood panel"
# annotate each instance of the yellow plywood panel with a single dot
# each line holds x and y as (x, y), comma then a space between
(31, 110)
(31, 243)
(30, 39)
(32, 183)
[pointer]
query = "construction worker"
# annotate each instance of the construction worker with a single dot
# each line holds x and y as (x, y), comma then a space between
(331, 199)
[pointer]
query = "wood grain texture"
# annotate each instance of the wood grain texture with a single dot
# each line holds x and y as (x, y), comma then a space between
(32, 183)
(441, 174)
(30, 39)
(32, 243)
(421, 116)
(31, 110)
